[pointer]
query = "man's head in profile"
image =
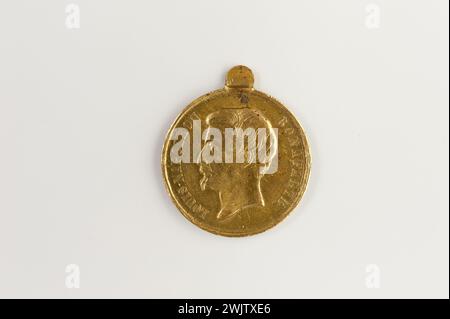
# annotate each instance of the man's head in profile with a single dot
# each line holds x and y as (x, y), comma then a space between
(238, 182)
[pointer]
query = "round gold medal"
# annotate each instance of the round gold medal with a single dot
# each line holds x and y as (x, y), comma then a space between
(236, 162)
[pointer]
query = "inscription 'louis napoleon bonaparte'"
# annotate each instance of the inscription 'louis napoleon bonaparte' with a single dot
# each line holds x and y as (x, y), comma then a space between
(185, 195)
(296, 169)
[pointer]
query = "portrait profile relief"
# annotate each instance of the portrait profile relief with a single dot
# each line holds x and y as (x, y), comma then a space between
(236, 176)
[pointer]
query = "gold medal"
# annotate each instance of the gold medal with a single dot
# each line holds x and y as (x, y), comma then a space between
(236, 162)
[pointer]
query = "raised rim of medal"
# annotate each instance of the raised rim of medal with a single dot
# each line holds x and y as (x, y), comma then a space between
(202, 224)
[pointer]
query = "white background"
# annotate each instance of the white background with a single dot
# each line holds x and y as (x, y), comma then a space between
(83, 114)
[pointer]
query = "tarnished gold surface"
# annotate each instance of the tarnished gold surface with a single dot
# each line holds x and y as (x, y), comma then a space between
(235, 199)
